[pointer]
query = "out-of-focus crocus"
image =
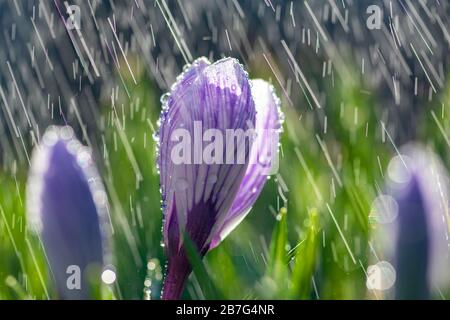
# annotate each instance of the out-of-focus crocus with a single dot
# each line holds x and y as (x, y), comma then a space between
(66, 206)
(415, 226)
(206, 195)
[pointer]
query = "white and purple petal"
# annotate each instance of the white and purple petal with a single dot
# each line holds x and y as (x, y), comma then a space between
(263, 157)
(207, 96)
(175, 106)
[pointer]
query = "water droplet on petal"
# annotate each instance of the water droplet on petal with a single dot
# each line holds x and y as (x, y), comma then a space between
(164, 98)
(50, 137)
(186, 67)
(84, 159)
(66, 133)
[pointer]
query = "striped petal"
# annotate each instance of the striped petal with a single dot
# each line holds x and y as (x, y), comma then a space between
(218, 97)
(263, 157)
(175, 107)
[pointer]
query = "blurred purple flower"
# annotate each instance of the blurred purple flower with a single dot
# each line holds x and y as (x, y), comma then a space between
(417, 241)
(206, 201)
(66, 203)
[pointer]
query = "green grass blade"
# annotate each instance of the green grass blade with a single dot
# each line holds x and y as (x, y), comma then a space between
(277, 268)
(210, 291)
(305, 261)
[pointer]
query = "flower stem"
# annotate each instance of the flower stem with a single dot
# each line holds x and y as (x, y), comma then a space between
(178, 270)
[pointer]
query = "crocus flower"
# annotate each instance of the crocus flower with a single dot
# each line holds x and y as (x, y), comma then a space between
(416, 235)
(66, 206)
(205, 200)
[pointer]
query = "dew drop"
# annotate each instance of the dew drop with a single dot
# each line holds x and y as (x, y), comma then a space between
(50, 138)
(84, 159)
(186, 67)
(155, 136)
(164, 98)
(66, 133)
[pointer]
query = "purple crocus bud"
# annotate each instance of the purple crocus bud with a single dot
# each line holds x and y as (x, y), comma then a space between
(66, 206)
(416, 231)
(208, 160)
